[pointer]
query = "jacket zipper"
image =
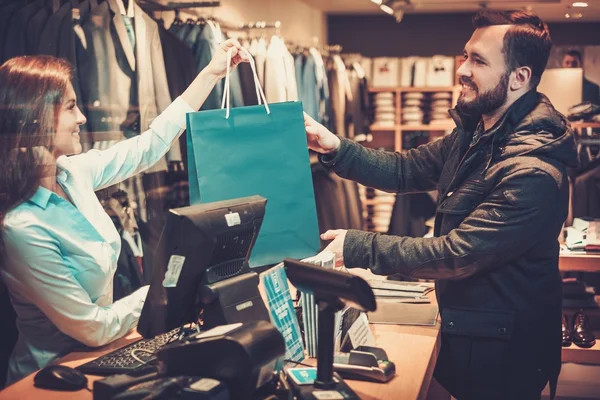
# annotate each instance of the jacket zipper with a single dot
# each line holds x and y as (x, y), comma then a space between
(471, 146)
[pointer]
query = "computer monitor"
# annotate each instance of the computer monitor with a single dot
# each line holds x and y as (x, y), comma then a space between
(202, 258)
(563, 86)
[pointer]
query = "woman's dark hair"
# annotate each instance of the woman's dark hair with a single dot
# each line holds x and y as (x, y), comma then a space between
(32, 89)
(526, 43)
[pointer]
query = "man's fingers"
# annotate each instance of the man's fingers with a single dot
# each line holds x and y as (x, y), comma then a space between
(330, 235)
(311, 129)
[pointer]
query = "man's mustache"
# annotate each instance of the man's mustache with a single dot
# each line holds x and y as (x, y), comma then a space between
(467, 82)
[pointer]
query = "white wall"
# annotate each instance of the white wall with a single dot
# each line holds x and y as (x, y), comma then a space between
(300, 22)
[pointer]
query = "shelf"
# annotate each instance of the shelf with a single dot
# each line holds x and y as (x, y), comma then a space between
(578, 125)
(412, 89)
(383, 89)
(425, 127)
(576, 354)
(428, 89)
(376, 128)
(579, 262)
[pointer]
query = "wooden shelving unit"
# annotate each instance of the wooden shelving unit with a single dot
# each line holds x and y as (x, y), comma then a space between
(399, 128)
(569, 262)
(582, 125)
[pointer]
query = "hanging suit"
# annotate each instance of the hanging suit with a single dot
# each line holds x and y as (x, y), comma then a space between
(16, 31)
(6, 13)
(114, 100)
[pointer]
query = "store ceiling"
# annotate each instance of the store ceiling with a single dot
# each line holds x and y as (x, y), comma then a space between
(549, 10)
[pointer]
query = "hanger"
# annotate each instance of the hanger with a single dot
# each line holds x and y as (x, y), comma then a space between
(177, 20)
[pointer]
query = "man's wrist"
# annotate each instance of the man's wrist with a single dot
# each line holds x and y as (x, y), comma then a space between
(335, 149)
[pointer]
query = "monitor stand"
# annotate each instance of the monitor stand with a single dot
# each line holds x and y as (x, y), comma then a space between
(325, 347)
(232, 300)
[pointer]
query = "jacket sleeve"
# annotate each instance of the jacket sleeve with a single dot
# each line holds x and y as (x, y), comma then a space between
(134, 155)
(416, 170)
(37, 272)
(515, 216)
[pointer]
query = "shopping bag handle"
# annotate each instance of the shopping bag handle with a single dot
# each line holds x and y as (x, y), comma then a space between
(226, 101)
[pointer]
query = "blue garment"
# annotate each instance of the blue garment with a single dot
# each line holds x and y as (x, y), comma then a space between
(192, 35)
(308, 86)
(61, 256)
(181, 31)
(204, 48)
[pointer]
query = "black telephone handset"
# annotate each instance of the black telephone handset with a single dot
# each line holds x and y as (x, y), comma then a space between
(365, 363)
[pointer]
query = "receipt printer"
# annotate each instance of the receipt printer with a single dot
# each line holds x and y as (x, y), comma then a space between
(364, 363)
(242, 355)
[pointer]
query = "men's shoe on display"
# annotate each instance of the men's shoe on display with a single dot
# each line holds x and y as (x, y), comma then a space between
(566, 333)
(581, 331)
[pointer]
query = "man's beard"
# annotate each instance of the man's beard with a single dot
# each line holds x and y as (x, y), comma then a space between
(484, 103)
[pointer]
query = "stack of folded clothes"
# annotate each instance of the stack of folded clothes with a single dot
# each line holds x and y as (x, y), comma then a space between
(413, 108)
(441, 102)
(385, 110)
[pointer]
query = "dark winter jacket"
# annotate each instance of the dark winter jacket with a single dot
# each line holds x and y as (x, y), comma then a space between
(503, 199)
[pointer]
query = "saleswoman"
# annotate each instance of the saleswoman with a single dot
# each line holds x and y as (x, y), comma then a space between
(59, 247)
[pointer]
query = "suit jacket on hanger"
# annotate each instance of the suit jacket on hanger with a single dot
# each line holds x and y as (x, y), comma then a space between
(181, 71)
(16, 32)
(35, 27)
(6, 13)
(119, 67)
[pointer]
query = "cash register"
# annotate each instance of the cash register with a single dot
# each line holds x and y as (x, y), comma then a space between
(202, 280)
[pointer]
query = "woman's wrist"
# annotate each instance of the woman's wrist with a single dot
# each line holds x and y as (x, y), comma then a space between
(209, 78)
(195, 95)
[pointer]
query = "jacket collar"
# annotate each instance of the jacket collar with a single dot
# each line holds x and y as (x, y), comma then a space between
(515, 113)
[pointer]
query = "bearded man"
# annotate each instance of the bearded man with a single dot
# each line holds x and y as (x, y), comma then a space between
(502, 200)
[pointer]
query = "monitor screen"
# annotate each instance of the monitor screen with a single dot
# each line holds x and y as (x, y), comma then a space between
(199, 245)
(563, 86)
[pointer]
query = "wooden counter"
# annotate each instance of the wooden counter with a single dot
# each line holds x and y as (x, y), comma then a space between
(413, 349)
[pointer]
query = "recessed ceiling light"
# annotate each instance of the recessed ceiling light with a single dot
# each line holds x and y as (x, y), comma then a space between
(578, 15)
(378, 2)
(386, 9)
(580, 4)
(567, 15)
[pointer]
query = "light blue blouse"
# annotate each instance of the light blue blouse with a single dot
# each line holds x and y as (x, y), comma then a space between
(61, 257)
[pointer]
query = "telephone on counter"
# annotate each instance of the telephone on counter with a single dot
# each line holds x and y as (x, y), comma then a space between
(365, 363)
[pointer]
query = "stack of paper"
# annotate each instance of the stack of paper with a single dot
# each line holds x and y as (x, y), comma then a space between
(310, 319)
(584, 234)
(401, 291)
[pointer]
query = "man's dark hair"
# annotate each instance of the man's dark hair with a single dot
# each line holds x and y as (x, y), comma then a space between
(526, 43)
(576, 54)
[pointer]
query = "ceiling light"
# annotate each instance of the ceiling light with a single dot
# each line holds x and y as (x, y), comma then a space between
(378, 2)
(567, 15)
(387, 9)
(582, 4)
(578, 15)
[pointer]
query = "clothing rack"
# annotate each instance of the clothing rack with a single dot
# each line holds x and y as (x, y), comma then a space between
(333, 48)
(261, 25)
(152, 5)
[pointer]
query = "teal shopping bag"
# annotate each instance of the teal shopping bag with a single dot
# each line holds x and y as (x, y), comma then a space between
(257, 150)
